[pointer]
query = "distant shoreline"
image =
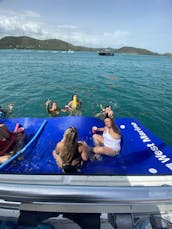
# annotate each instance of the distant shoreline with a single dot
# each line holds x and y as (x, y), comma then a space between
(23, 42)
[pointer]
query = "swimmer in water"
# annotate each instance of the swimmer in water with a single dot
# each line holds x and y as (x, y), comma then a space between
(105, 112)
(4, 112)
(74, 106)
(52, 108)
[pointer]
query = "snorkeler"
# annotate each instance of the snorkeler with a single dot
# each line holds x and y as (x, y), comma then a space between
(4, 112)
(105, 112)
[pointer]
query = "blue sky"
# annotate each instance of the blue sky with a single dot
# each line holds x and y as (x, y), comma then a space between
(92, 23)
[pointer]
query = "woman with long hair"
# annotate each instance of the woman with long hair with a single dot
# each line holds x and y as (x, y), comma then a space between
(110, 142)
(69, 152)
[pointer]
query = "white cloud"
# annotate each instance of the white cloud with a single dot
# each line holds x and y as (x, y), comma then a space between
(6, 12)
(29, 13)
(113, 39)
(16, 26)
(67, 27)
(29, 23)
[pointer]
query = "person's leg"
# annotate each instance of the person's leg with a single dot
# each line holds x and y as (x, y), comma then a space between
(105, 150)
(98, 140)
(4, 158)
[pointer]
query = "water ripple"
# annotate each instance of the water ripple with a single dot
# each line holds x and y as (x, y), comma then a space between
(134, 85)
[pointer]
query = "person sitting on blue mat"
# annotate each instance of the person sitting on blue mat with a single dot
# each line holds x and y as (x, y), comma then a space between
(110, 142)
(10, 142)
(69, 152)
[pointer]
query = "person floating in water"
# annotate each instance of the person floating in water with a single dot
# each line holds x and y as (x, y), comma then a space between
(74, 106)
(105, 112)
(110, 142)
(4, 111)
(70, 153)
(52, 108)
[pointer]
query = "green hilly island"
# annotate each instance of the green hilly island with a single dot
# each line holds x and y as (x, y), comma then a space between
(23, 42)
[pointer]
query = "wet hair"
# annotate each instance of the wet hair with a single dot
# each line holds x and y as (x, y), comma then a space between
(106, 116)
(54, 105)
(70, 140)
(73, 95)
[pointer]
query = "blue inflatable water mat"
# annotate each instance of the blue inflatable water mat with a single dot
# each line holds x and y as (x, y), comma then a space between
(142, 153)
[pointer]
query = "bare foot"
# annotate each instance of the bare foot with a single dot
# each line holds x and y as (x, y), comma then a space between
(98, 157)
(95, 156)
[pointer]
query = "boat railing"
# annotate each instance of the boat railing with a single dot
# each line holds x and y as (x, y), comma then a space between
(63, 195)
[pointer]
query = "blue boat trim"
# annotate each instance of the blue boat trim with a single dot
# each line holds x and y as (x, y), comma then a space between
(26, 146)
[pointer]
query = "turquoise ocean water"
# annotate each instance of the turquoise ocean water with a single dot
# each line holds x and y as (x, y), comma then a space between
(134, 85)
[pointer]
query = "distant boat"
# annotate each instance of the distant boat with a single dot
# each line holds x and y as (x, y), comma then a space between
(106, 54)
(70, 51)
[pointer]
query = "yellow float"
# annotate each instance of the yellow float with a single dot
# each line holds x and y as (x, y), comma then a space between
(74, 101)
